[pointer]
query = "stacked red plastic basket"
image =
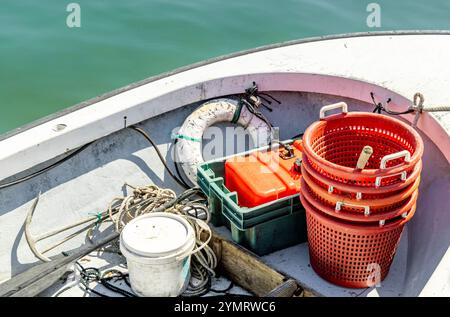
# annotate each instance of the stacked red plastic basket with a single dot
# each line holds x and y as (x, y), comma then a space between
(355, 216)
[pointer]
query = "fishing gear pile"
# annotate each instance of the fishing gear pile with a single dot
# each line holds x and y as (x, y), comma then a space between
(150, 199)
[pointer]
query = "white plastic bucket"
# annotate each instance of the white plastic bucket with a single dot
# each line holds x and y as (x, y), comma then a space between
(158, 248)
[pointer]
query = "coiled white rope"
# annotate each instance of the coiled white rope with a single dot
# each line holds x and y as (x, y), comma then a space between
(151, 198)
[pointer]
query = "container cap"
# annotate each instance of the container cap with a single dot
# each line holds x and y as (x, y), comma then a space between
(157, 234)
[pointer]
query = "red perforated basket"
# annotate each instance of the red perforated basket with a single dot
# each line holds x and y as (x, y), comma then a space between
(333, 145)
(352, 189)
(373, 204)
(356, 214)
(349, 255)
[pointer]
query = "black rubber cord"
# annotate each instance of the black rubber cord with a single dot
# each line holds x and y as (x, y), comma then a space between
(379, 107)
(180, 181)
(92, 274)
(163, 160)
(45, 169)
(177, 169)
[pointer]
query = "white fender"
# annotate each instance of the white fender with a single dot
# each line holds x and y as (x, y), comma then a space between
(189, 144)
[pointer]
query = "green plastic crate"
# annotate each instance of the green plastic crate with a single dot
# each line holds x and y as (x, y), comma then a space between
(262, 229)
(214, 188)
(248, 217)
(273, 235)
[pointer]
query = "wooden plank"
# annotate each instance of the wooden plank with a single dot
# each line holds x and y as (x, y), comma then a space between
(34, 281)
(248, 270)
(36, 288)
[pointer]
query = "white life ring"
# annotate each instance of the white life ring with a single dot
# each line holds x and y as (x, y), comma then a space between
(189, 145)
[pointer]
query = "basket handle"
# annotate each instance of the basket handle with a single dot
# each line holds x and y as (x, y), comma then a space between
(390, 157)
(379, 178)
(324, 109)
(339, 204)
(395, 156)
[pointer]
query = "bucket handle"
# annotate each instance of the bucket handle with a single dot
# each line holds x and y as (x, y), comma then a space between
(390, 157)
(324, 109)
(339, 204)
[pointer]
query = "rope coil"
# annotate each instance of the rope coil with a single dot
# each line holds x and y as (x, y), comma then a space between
(148, 199)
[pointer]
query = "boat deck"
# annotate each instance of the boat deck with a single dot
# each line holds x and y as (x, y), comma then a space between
(305, 77)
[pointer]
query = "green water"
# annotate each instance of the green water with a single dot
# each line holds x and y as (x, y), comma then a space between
(46, 66)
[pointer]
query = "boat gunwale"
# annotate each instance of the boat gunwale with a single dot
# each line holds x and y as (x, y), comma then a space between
(112, 93)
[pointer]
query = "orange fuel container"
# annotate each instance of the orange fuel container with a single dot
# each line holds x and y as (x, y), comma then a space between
(263, 176)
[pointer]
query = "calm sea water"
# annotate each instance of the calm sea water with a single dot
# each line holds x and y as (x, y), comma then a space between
(46, 66)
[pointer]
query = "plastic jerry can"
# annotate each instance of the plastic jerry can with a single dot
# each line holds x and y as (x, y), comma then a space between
(263, 176)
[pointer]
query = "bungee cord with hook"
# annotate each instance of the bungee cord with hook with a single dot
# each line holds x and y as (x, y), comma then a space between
(251, 99)
(379, 107)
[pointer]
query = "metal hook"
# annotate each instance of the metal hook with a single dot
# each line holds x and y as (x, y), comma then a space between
(32, 240)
